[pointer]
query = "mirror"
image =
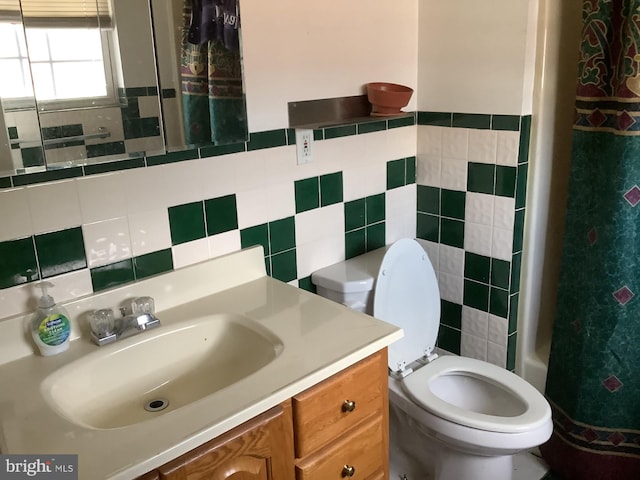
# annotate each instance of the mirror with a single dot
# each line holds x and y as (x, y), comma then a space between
(86, 87)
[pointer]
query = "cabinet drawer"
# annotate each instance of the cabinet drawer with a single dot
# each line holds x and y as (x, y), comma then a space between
(363, 451)
(321, 414)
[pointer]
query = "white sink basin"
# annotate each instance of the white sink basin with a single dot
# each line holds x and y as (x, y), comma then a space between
(180, 363)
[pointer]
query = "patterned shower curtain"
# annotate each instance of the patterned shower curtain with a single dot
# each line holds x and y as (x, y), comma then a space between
(213, 99)
(593, 382)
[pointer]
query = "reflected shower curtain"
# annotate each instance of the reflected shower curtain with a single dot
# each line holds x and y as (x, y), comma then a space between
(211, 73)
(593, 383)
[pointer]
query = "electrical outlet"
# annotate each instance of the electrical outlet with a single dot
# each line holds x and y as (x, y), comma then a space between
(304, 145)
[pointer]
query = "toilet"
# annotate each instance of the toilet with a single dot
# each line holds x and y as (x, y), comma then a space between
(451, 417)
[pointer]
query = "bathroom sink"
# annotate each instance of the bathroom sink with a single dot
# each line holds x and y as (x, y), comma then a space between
(139, 378)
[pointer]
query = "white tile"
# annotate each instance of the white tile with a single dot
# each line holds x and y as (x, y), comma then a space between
(483, 146)
(401, 142)
(182, 182)
(364, 181)
(251, 171)
(102, 197)
(149, 145)
(148, 106)
(508, 146)
(477, 238)
(15, 219)
(223, 243)
(502, 244)
(107, 241)
(253, 207)
(451, 260)
(451, 287)
(315, 224)
(54, 206)
(474, 347)
(504, 213)
(190, 252)
(281, 199)
(429, 171)
(527, 466)
(455, 143)
(400, 213)
(475, 322)
(149, 231)
(479, 208)
(318, 254)
(144, 189)
(498, 330)
(219, 175)
(430, 140)
(497, 354)
(433, 252)
(454, 174)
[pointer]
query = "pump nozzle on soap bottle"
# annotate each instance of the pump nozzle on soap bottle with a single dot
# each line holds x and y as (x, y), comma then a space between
(50, 326)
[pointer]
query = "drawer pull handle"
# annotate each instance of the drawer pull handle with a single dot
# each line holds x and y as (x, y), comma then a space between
(348, 471)
(348, 406)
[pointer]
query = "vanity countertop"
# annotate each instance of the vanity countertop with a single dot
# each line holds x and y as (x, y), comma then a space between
(320, 338)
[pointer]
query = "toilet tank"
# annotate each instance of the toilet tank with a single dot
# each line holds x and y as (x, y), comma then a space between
(351, 282)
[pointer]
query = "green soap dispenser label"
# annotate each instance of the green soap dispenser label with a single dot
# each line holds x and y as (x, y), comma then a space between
(54, 329)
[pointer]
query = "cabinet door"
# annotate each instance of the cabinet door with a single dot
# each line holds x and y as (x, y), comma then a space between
(260, 449)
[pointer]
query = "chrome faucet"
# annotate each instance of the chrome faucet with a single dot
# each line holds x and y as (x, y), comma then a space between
(105, 329)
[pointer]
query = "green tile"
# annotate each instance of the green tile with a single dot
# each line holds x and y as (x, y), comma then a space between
(342, 131)
(18, 263)
(439, 119)
(306, 284)
(354, 214)
(49, 176)
(451, 314)
(5, 182)
(513, 313)
(376, 236)
(525, 139)
(172, 157)
(258, 235)
(521, 185)
(428, 227)
(307, 193)
(291, 136)
(452, 204)
(516, 265)
(410, 170)
(499, 302)
(186, 222)
(13, 133)
(500, 271)
(369, 127)
(221, 214)
(481, 178)
(452, 232)
(282, 234)
(217, 150)
(471, 120)
(375, 208)
(32, 156)
(114, 275)
(396, 173)
(505, 122)
(401, 122)
(318, 134)
(150, 126)
(476, 295)
(355, 243)
(477, 267)
(283, 266)
(153, 263)
(61, 252)
(267, 139)
(330, 189)
(518, 230)
(428, 199)
(449, 339)
(512, 343)
(505, 181)
(51, 133)
(114, 166)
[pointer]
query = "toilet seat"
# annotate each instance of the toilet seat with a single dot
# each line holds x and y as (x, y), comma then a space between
(420, 386)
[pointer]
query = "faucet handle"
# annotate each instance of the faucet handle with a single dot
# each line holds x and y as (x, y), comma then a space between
(143, 306)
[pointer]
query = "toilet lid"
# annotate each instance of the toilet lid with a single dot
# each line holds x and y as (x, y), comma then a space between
(526, 409)
(407, 295)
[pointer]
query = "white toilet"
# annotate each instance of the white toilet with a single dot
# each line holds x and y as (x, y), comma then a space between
(451, 418)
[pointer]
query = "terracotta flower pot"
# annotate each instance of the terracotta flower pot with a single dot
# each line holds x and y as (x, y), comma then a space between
(388, 98)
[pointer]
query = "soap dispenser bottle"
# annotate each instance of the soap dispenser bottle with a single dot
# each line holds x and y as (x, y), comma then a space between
(50, 325)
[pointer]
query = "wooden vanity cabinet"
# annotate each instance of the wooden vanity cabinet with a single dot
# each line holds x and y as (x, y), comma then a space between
(337, 429)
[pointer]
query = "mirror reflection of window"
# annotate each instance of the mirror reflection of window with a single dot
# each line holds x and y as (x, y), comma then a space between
(14, 58)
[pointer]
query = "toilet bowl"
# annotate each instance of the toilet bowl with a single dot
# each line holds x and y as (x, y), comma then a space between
(457, 418)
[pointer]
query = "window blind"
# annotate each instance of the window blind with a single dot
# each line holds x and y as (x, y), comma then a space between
(61, 13)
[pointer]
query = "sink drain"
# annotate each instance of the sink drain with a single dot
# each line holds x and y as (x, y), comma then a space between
(156, 405)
